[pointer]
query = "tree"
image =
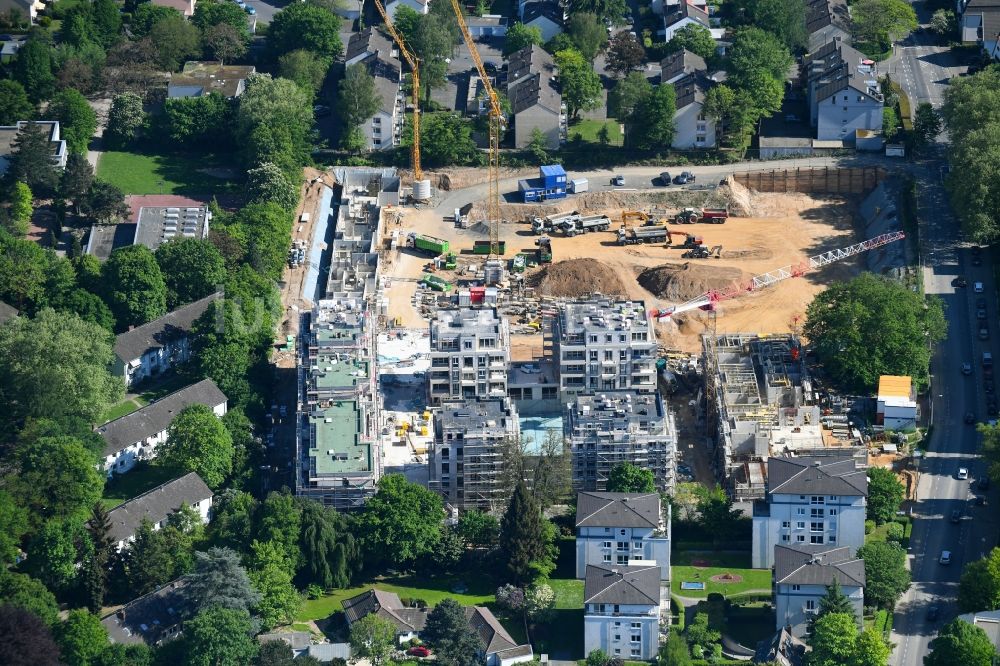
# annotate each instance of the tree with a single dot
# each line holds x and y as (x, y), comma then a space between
(871, 649)
(886, 577)
(81, 638)
(267, 183)
(274, 120)
(716, 514)
(755, 51)
(134, 286)
(961, 643)
(136, 654)
(979, 586)
(943, 22)
(520, 36)
(628, 478)
(433, 42)
(598, 657)
(14, 103)
(581, 85)
(834, 601)
(194, 120)
(327, 545)
(539, 601)
(97, 565)
(588, 33)
(33, 69)
(675, 652)
(27, 641)
(107, 21)
(626, 94)
(695, 38)
(280, 523)
(77, 178)
(271, 575)
(224, 42)
(873, 326)
(146, 16)
(401, 521)
(217, 636)
(358, 99)
(55, 366)
(606, 10)
(526, 548)
(18, 218)
(890, 123)
(13, 526)
(700, 633)
(149, 561)
(198, 442)
(304, 26)
(105, 203)
(208, 15)
(885, 494)
(31, 161)
(57, 478)
(882, 22)
(275, 653)
(174, 40)
(786, 20)
(446, 139)
(306, 68)
(834, 640)
(510, 598)
(449, 633)
(219, 580)
(192, 268)
(478, 529)
(22, 591)
(374, 638)
(625, 53)
(926, 125)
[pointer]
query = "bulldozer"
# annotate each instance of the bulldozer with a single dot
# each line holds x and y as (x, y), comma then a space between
(702, 252)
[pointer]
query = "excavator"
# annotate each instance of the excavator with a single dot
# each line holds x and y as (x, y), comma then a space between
(630, 217)
(702, 252)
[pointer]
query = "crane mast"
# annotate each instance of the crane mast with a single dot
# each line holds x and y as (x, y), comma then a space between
(414, 63)
(496, 119)
(708, 300)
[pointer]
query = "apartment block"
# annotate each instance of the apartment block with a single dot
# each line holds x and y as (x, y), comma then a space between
(610, 428)
(604, 345)
(470, 351)
(621, 611)
(620, 528)
(801, 576)
(467, 458)
(811, 500)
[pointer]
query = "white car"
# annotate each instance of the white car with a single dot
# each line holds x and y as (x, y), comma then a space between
(963, 473)
(945, 557)
(977, 287)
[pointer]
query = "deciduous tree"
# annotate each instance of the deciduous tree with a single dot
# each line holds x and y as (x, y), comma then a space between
(211, 14)
(13, 526)
(219, 636)
(193, 121)
(33, 68)
(81, 638)
(834, 601)
(446, 139)
(223, 42)
(834, 640)
(14, 103)
(358, 98)
(401, 522)
(478, 529)
(520, 36)
(57, 478)
(626, 94)
(267, 183)
(882, 22)
(77, 178)
(695, 38)
(305, 26)
(18, 217)
(581, 85)
(926, 125)
(22, 591)
(885, 494)
(271, 575)
(306, 68)
(588, 33)
(886, 577)
(105, 203)
(961, 643)
(979, 586)
(107, 21)
(174, 40)
(625, 53)
(329, 552)
(198, 442)
(612, 11)
(134, 286)
(27, 641)
(628, 478)
(374, 638)
(785, 19)
(192, 268)
(77, 120)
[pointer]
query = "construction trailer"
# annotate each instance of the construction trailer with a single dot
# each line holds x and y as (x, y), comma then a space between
(550, 184)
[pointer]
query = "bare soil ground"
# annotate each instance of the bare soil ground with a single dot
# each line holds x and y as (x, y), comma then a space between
(577, 277)
(782, 229)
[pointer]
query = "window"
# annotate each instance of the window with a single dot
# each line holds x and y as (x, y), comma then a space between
(637, 557)
(815, 527)
(833, 498)
(636, 638)
(796, 588)
(800, 525)
(832, 538)
(636, 545)
(785, 524)
(607, 558)
(623, 545)
(606, 544)
(618, 637)
(816, 513)
(810, 604)
(784, 537)
(622, 532)
(800, 511)
(817, 499)
(636, 652)
(816, 539)
(833, 512)
(618, 651)
(801, 538)
(637, 625)
(623, 559)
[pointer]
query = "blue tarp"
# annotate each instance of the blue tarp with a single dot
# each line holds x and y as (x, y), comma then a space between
(311, 290)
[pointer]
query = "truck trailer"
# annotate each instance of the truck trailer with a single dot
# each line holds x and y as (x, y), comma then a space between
(483, 247)
(549, 223)
(434, 246)
(634, 235)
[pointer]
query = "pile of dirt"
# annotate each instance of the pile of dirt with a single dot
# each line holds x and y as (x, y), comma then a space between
(682, 282)
(739, 198)
(461, 177)
(577, 277)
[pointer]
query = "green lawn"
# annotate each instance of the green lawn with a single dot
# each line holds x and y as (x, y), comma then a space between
(588, 129)
(432, 591)
(135, 482)
(136, 173)
(752, 579)
(150, 391)
(123, 408)
(569, 592)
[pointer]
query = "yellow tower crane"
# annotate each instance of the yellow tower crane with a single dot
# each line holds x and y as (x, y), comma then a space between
(421, 188)
(496, 129)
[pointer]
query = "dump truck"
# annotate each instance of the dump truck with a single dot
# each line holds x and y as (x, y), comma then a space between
(703, 252)
(544, 249)
(483, 247)
(434, 246)
(634, 235)
(586, 224)
(435, 283)
(708, 215)
(541, 225)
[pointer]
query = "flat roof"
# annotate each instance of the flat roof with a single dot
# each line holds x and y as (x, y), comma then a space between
(337, 447)
(894, 386)
(158, 225)
(333, 373)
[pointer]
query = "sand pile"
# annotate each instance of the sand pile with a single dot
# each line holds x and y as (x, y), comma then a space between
(460, 177)
(682, 282)
(577, 277)
(739, 199)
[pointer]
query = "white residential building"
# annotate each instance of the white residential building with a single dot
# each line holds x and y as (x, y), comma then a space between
(621, 611)
(419, 6)
(135, 436)
(801, 577)
(614, 529)
(843, 92)
(810, 500)
(154, 348)
(157, 505)
(373, 50)
(692, 128)
(470, 351)
(546, 15)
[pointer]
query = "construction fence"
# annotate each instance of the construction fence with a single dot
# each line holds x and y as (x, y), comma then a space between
(824, 180)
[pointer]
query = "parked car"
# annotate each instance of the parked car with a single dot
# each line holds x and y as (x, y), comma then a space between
(418, 651)
(321, 110)
(981, 313)
(250, 10)
(963, 473)
(618, 181)
(980, 303)
(984, 332)
(956, 515)
(966, 368)
(960, 282)
(932, 613)
(978, 287)
(681, 179)
(945, 557)
(665, 179)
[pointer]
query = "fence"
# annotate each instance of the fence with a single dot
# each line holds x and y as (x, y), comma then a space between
(829, 180)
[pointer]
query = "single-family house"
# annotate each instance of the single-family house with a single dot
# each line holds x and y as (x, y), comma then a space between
(135, 436)
(153, 618)
(619, 528)
(679, 64)
(200, 78)
(621, 611)
(185, 7)
(8, 139)
(979, 23)
(157, 346)
(26, 10)
(827, 20)
(810, 500)
(534, 97)
(419, 6)
(499, 648)
(988, 621)
(157, 505)
(487, 25)
(546, 15)
(692, 128)
(897, 403)
(7, 312)
(369, 43)
(782, 649)
(801, 577)
(370, 48)
(684, 13)
(843, 92)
